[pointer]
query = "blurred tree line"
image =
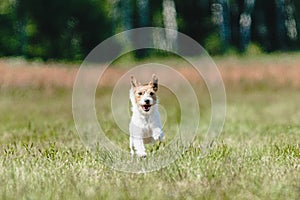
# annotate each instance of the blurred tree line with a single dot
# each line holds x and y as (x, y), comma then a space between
(70, 29)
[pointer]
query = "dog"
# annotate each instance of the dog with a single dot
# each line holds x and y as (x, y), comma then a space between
(145, 126)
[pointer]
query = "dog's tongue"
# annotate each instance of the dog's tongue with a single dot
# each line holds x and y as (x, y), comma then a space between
(146, 107)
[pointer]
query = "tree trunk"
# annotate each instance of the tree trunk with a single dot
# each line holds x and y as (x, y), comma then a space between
(245, 24)
(21, 26)
(170, 22)
(121, 12)
(126, 10)
(143, 16)
(220, 17)
(115, 13)
(280, 27)
(290, 21)
(143, 12)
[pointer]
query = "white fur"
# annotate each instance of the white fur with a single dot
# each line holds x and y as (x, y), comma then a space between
(143, 126)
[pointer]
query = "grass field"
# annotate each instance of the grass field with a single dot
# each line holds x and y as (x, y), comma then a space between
(257, 155)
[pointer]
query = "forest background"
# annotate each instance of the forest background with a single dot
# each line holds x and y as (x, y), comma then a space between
(69, 29)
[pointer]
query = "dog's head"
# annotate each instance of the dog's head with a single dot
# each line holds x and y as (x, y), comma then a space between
(145, 94)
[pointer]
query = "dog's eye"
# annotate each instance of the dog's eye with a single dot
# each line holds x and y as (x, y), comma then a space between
(140, 93)
(151, 93)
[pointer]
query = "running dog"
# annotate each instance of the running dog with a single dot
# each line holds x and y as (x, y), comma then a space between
(145, 126)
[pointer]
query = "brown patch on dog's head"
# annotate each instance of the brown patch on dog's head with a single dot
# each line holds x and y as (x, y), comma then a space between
(133, 81)
(154, 82)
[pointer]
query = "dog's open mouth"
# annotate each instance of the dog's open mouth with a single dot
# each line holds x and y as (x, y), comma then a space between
(146, 107)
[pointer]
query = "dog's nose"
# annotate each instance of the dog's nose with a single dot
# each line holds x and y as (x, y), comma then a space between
(147, 101)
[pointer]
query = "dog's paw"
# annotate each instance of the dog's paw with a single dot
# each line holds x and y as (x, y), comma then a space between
(131, 152)
(141, 154)
(156, 137)
(161, 138)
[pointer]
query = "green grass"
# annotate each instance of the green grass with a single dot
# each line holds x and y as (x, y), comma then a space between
(257, 155)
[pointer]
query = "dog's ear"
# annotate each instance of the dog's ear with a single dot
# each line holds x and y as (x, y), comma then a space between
(133, 81)
(154, 82)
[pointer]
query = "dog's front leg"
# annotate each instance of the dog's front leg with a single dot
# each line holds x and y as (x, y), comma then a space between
(138, 146)
(136, 141)
(158, 134)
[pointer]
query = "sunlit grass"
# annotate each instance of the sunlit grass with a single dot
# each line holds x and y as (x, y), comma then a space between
(257, 155)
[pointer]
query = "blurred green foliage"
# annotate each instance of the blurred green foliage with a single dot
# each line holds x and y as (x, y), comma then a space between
(70, 29)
